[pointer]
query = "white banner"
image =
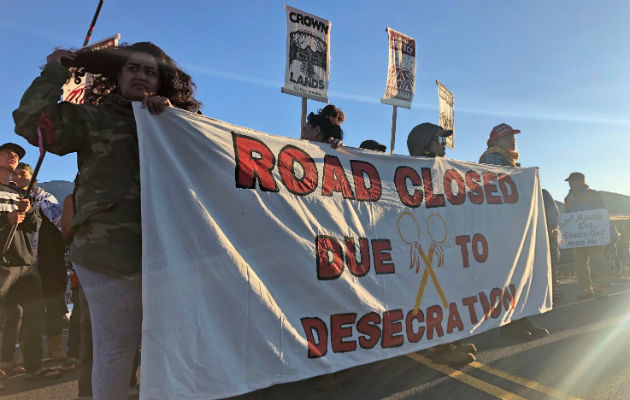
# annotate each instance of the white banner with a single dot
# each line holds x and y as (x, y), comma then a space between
(74, 89)
(401, 69)
(447, 112)
(308, 55)
(269, 259)
(584, 228)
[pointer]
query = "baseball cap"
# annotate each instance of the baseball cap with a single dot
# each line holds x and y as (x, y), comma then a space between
(500, 131)
(421, 135)
(19, 150)
(575, 175)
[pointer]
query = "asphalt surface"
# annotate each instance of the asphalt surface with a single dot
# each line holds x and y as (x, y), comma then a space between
(586, 356)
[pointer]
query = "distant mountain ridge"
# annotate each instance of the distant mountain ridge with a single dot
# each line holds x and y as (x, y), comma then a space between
(59, 189)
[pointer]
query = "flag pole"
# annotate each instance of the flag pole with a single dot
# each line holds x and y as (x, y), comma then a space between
(394, 114)
(89, 32)
(303, 119)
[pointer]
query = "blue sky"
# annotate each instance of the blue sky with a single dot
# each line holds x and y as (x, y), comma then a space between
(557, 70)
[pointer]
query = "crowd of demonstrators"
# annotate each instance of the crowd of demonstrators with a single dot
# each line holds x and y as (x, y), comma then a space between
(101, 219)
(106, 239)
(588, 261)
(429, 140)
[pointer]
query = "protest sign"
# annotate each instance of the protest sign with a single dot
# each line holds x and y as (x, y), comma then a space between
(447, 113)
(268, 259)
(584, 228)
(74, 89)
(401, 69)
(308, 55)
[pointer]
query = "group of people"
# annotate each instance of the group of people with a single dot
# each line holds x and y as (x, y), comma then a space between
(104, 235)
(102, 226)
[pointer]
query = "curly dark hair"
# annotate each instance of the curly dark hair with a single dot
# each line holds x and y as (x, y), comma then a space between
(106, 63)
(333, 112)
(328, 119)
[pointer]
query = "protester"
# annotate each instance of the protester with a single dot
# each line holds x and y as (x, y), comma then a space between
(501, 147)
(587, 260)
(325, 126)
(106, 231)
(551, 218)
(372, 145)
(502, 151)
(429, 140)
(20, 282)
(48, 246)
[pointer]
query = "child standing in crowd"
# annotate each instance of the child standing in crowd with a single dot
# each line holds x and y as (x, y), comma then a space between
(106, 230)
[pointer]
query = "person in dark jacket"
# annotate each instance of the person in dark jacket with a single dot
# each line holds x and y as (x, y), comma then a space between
(429, 140)
(588, 259)
(20, 282)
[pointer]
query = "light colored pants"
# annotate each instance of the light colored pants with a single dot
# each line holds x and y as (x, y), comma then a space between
(589, 263)
(116, 312)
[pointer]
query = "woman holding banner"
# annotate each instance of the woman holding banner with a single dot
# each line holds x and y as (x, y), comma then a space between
(106, 230)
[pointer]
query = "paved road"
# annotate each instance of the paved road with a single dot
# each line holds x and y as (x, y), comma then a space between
(587, 356)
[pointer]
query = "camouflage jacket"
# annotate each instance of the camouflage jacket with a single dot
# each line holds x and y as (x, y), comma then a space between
(106, 230)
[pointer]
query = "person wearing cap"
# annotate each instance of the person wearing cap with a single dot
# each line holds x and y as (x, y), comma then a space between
(49, 248)
(20, 282)
(501, 147)
(502, 151)
(589, 259)
(427, 140)
(372, 145)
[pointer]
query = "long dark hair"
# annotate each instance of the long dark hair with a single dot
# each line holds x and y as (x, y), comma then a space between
(106, 63)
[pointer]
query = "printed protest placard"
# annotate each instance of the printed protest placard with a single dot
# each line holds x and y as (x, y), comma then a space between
(401, 69)
(584, 228)
(447, 112)
(308, 55)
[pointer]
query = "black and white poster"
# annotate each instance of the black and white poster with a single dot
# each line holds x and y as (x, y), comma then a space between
(308, 55)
